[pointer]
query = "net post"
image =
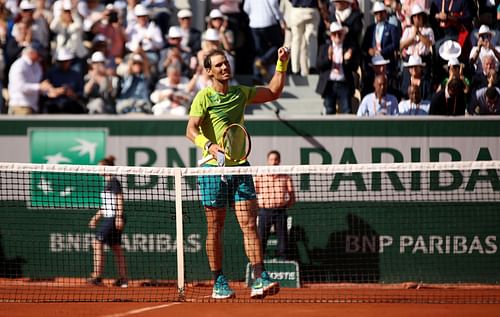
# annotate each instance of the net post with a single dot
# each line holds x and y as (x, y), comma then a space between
(179, 232)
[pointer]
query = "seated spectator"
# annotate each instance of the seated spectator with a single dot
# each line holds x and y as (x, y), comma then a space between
(217, 21)
(173, 93)
(378, 66)
(175, 53)
(145, 34)
(378, 102)
(25, 85)
(414, 105)
(69, 96)
(455, 70)
(191, 37)
(485, 101)
(110, 26)
(336, 64)
(415, 68)
(484, 47)
(489, 69)
(100, 88)
(68, 32)
(450, 101)
(381, 38)
(135, 87)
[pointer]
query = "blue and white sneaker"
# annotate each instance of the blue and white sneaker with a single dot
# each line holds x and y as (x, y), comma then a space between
(221, 289)
(264, 286)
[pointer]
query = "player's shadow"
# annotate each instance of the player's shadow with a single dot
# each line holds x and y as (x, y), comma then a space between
(10, 267)
(349, 256)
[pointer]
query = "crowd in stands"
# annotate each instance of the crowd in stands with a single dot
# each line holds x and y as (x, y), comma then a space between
(416, 57)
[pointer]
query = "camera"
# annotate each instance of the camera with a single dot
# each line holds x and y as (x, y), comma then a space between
(113, 17)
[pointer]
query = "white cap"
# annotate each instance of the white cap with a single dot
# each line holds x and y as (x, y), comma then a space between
(215, 14)
(174, 32)
(66, 5)
(416, 9)
(63, 54)
(378, 60)
(453, 62)
(110, 7)
(211, 35)
(27, 5)
(184, 13)
(335, 27)
(140, 10)
(449, 49)
(137, 58)
(414, 60)
(98, 57)
(378, 6)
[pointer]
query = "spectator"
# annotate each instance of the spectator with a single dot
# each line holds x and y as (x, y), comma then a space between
(450, 101)
(452, 20)
(134, 93)
(407, 8)
(415, 68)
(484, 47)
(16, 44)
(351, 17)
(39, 26)
(394, 14)
(275, 194)
(191, 37)
(69, 97)
(266, 25)
(381, 38)
(304, 22)
(217, 21)
(378, 102)
(487, 76)
(68, 33)
(175, 53)
(455, 70)
(100, 88)
(414, 105)
(378, 66)
(25, 84)
(144, 34)
(448, 50)
(485, 101)
(336, 63)
(173, 93)
(110, 26)
(418, 39)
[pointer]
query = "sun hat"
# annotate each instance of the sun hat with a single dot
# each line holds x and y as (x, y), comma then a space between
(484, 29)
(378, 6)
(137, 58)
(335, 27)
(174, 32)
(416, 9)
(414, 60)
(98, 57)
(378, 60)
(449, 49)
(211, 35)
(453, 62)
(215, 14)
(26, 5)
(184, 13)
(140, 10)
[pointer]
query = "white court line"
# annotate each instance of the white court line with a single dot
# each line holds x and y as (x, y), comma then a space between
(140, 310)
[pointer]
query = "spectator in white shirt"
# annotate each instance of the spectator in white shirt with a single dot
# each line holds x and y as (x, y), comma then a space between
(25, 83)
(415, 105)
(378, 102)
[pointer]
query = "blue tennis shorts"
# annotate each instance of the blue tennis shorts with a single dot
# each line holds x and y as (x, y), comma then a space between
(219, 194)
(107, 232)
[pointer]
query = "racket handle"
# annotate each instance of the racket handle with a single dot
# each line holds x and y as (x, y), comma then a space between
(205, 159)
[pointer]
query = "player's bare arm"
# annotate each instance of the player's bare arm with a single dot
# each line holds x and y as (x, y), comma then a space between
(273, 90)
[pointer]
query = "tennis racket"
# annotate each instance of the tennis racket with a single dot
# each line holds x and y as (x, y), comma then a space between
(236, 143)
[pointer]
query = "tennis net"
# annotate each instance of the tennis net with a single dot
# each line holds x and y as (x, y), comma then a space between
(400, 232)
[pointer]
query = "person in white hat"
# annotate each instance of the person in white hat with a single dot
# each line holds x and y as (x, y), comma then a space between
(191, 36)
(133, 96)
(38, 25)
(418, 37)
(381, 38)
(378, 66)
(455, 70)
(484, 47)
(415, 67)
(100, 87)
(70, 82)
(175, 53)
(349, 16)
(112, 28)
(144, 34)
(336, 63)
(216, 20)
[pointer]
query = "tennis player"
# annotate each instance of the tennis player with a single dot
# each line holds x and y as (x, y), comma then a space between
(213, 109)
(111, 224)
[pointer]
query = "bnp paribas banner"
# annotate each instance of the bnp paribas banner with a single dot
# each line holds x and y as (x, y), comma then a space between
(438, 242)
(66, 146)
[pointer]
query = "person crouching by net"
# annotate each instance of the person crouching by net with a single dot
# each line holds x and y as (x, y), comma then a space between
(213, 110)
(111, 221)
